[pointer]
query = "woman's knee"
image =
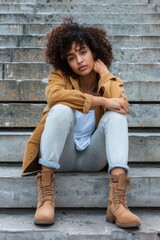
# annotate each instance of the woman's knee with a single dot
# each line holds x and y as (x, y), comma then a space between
(114, 116)
(61, 113)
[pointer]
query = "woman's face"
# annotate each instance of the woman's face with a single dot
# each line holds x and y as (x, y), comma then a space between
(80, 59)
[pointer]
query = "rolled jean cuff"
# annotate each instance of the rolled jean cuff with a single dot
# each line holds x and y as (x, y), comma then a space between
(118, 166)
(49, 164)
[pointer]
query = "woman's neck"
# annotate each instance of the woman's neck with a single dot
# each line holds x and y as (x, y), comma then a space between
(88, 83)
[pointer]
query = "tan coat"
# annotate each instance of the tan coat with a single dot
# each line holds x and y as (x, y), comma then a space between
(65, 90)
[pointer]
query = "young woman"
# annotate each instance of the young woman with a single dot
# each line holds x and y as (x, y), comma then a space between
(84, 124)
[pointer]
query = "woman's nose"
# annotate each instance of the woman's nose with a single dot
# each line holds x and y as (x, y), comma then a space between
(79, 59)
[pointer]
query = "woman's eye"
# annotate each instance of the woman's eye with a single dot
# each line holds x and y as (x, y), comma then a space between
(70, 59)
(83, 52)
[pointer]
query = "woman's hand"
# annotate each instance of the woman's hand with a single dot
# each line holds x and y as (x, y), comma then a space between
(119, 105)
(100, 68)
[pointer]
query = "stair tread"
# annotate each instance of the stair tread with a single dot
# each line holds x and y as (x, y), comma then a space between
(77, 223)
(134, 172)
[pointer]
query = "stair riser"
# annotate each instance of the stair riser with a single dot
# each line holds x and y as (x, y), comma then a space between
(116, 41)
(87, 191)
(112, 29)
(82, 18)
(80, 8)
(34, 90)
(128, 72)
(29, 115)
(141, 148)
(124, 55)
(76, 1)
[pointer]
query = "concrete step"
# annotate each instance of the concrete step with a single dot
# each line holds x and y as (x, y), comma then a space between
(129, 72)
(78, 225)
(123, 55)
(143, 147)
(33, 90)
(94, 18)
(77, 1)
(90, 190)
(80, 7)
(112, 29)
(20, 115)
(117, 41)
(129, 55)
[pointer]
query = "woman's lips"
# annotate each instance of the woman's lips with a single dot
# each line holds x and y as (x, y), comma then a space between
(82, 68)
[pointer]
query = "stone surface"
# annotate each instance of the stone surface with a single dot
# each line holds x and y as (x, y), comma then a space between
(143, 147)
(1, 71)
(126, 71)
(23, 71)
(34, 90)
(8, 41)
(75, 1)
(13, 29)
(28, 115)
(80, 7)
(90, 190)
(94, 18)
(77, 225)
(112, 29)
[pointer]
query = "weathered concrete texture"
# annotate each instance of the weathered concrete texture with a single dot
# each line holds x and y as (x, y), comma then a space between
(23, 90)
(144, 115)
(142, 91)
(32, 40)
(1, 71)
(138, 55)
(143, 147)
(77, 225)
(18, 1)
(29, 115)
(24, 115)
(13, 152)
(89, 189)
(75, 1)
(117, 41)
(22, 71)
(12, 29)
(34, 90)
(35, 41)
(80, 7)
(8, 41)
(128, 72)
(28, 55)
(112, 29)
(136, 71)
(94, 18)
(134, 41)
(5, 55)
(123, 55)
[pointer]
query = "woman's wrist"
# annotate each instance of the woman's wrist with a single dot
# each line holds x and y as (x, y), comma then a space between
(98, 101)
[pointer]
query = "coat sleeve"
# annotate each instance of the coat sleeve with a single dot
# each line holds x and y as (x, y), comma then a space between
(110, 86)
(56, 92)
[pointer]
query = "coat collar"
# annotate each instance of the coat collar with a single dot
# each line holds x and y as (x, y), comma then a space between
(75, 83)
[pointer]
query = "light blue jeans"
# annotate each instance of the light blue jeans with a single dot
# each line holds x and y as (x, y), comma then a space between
(109, 143)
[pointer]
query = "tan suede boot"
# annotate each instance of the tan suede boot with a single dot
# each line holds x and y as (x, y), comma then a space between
(117, 210)
(46, 203)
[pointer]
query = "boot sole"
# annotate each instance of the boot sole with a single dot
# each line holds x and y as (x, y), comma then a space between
(125, 225)
(43, 222)
(128, 225)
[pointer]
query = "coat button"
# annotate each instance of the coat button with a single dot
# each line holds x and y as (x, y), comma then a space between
(30, 156)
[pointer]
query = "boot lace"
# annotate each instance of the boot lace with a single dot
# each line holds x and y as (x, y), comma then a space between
(45, 192)
(120, 194)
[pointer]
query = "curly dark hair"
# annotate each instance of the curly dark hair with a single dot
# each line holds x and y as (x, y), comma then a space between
(60, 39)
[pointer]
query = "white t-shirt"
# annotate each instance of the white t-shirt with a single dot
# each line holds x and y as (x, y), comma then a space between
(84, 127)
